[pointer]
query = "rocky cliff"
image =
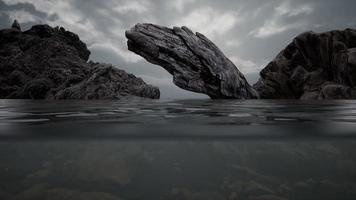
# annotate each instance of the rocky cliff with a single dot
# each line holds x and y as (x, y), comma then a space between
(51, 63)
(313, 66)
(195, 62)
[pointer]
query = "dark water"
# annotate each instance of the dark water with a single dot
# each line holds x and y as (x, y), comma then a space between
(193, 149)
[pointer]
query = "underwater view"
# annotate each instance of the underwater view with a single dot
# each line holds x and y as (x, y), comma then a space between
(177, 100)
(188, 149)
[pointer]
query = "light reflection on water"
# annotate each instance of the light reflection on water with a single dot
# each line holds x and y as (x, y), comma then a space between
(192, 149)
(197, 117)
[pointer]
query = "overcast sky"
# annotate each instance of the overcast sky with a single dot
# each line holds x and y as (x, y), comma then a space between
(249, 32)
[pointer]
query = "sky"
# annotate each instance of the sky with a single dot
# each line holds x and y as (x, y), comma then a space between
(250, 32)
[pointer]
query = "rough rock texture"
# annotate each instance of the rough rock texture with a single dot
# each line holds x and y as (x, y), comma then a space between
(194, 61)
(51, 63)
(313, 66)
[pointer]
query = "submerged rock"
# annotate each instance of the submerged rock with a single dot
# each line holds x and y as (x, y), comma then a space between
(195, 62)
(51, 63)
(313, 66)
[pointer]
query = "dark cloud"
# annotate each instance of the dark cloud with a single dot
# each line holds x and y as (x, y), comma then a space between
(26, 11)
(22, 6)
(250, 32)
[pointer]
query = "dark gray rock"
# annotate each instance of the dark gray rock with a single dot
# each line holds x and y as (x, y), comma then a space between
(16, 25)
(313, 66)
(104, 81)
(51, 63)
(194, 61)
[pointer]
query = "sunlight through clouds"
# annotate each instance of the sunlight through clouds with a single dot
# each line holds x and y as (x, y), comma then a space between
(133, 6)
(286, 8)
(275, 24)
(209, 22)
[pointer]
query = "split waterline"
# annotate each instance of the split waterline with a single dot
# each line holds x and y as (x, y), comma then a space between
(187, 149)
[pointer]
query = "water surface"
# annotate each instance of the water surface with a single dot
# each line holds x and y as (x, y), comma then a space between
(189, 149)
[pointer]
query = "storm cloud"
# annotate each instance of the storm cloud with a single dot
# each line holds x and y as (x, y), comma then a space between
(249, 32)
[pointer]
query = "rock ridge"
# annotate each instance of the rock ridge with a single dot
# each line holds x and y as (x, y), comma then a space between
(52, 63)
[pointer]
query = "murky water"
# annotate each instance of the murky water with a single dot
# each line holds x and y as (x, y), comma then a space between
(192, 149)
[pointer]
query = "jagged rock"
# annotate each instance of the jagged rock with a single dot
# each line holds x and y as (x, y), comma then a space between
(105, 82)
(51, 63)
(16, 25)
(194, 61)
(313, 66)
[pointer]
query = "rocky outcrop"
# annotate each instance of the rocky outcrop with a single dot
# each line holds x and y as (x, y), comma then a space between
(16, 25)
(313, 66)
(51, 63)
(195, 62)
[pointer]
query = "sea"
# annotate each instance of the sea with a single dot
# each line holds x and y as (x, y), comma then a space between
(197, 149)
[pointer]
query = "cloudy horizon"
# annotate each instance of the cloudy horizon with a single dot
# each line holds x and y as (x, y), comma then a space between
(249, 32)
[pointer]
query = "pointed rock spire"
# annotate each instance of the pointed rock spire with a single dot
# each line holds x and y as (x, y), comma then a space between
(16, 25)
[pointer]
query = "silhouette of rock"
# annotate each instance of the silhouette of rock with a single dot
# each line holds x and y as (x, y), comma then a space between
(51, 63)
(195, 62)
(16, 25)
(313, 66)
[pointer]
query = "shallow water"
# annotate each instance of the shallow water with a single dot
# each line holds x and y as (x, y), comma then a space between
(191, 149)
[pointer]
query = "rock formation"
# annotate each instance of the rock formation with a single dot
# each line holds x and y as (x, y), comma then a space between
(16, 25)
(313, 66)
(194, 61)
(51, 63)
